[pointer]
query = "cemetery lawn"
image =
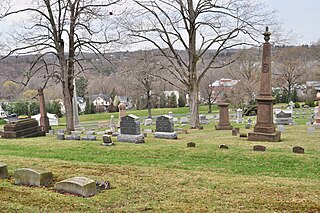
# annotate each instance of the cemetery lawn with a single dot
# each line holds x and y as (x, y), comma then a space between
(166, 176)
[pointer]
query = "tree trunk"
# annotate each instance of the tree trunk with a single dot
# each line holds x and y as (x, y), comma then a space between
(68, 95)
(149, 106)
(210, 106)
(194, 108)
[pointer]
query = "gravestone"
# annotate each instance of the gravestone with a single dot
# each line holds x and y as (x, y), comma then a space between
(223, 146)
(44, 120)
(170, 114)
(281, 128)
(89, 138)
(130, 130)
(311, 130)
(148, 122)
(22, 129)
(184, 120)
(165, 128)
(316, 124)
(3, 171)
(77, 185)
(32, 177)
(203, 119)
(259, 148)
(239, 118)
(191, 144)
(73, 137)
(60, 136)
(224, 123)
(264, 129)
(283, 117)
(112, 124)
(51, 132)
(107, 141)
(122, 111)
(234, 132)
(298, 149)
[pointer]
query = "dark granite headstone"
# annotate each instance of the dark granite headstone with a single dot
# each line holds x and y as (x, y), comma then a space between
(298, 149)
(259, 148)
(164, 123)
(130, 125)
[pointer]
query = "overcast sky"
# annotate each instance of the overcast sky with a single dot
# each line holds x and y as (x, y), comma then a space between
(300, 16)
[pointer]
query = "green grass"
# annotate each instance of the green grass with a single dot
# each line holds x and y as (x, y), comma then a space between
(166, 176)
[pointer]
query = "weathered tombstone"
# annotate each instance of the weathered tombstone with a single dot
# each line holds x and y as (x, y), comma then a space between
(112, 124)
(170, 114)
(165, 128)
(223, 146)
(283, 117)
(51, 132)
(203, 119)
(281, 128)
(130, 130)
(264, 129)
(224, 123)
(237, 129)
(298, 149)
(259, 148)
(239, 118)
(60, 136)
(191, 144)
(73, 137)
(148, 122)
(77, 185)
(89, 138)
(234, 132)
(32, 177)
(3, 171)
(175, 120)
(107, 141)
(184, 120)
(22, 129)
(44, 120)
(311, 130)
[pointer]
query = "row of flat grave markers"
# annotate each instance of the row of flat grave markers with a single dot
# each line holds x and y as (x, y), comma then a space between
(82, 186)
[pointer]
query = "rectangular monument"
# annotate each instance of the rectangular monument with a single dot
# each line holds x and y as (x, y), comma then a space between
(130, 130)
(165, 128)
(265, 129)
(22, 129)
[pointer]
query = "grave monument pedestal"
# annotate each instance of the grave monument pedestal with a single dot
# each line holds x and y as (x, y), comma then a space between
(265, 129)
(224, 123)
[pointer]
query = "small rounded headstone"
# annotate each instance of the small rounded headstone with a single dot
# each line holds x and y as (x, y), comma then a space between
(298, 149)
(200, 127)
(259, 148)
(3, 171)
(60, 136)
(106, 139)
(222, 146)
(191, 144)
(237, 129)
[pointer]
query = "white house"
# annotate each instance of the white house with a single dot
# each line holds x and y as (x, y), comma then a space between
(3, 114)
(53, 119)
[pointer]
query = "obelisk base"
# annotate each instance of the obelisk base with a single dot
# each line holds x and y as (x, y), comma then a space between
(269, 137)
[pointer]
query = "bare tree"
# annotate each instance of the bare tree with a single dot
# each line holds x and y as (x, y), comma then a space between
(196, 27)
(207, 89)
(246, 69)
(141, 71)
(291, 66)
(58, 33)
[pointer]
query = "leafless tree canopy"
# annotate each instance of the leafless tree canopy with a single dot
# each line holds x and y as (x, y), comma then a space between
(59, 32)
(198, 28)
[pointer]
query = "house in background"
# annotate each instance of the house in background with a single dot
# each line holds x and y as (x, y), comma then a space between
(101, 102)
(81, 104)
(127, 100)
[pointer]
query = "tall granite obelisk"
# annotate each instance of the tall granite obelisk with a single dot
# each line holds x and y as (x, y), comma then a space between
(265, 129)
